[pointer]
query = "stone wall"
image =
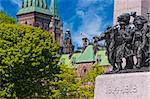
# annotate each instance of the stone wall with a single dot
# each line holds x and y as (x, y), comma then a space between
(83, 68)
(43, 21)
(142, 7)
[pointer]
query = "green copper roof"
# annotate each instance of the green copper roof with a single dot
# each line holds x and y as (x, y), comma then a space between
(39, 6)
(34, 6)
(87, 55)
(103, 57)
(68, 61)
(65, 59)
(54, 9)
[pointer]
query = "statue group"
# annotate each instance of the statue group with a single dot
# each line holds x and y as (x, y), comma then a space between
(129, 40)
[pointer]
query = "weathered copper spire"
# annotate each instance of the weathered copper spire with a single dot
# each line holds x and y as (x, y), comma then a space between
(54, 9)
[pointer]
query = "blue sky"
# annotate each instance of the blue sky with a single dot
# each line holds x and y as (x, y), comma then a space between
(89, 17)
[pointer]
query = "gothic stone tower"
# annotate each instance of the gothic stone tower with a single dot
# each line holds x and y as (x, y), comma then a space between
(142, 7)
(37, 13)
(68, 46)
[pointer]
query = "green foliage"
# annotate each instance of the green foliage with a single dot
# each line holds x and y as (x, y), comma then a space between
(4, 18)
(93, 73)
(67, 86)
(89, 81)
(65, 83)
(28, 60)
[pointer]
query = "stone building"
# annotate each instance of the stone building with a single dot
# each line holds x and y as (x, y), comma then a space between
(84, 58)
(142, 7)
(37, 13)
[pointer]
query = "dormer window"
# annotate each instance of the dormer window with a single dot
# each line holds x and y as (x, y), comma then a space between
(73, 61)
(62, 61)
(98, 60)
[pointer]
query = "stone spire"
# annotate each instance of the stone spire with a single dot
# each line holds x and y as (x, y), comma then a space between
(54, 9)
(85, 43)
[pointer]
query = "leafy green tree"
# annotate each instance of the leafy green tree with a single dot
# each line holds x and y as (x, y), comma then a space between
(95, 71)
(67, 86)
(65, 83)
(28, 61)
(86, 88)
(4, 18)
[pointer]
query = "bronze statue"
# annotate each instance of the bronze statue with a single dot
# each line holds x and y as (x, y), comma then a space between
(108, 36)
(122, 41)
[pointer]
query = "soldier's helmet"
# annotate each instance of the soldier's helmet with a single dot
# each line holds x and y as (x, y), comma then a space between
(139, 21)
(124, 18)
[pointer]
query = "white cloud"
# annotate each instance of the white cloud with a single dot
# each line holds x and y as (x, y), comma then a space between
(91, 20)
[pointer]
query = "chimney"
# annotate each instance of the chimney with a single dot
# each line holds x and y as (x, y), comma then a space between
(85, 43)
(95, 44)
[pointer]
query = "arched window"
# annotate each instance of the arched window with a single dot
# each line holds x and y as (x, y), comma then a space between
(57, 36)
(42, 4)
(26, 22)
(37, 25)
(38, 3)
(84, 70)
(46, 7)
(31, 3)
(27, 4)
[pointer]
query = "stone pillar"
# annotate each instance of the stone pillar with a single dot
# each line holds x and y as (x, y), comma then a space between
(142, 7)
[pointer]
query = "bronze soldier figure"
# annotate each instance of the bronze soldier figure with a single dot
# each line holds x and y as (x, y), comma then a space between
(138, 39)
(108, 36)
(123, 41)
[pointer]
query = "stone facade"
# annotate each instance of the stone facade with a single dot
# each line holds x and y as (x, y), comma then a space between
(83, 68)
(45, 22)
(142, 7)
(37, 14)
